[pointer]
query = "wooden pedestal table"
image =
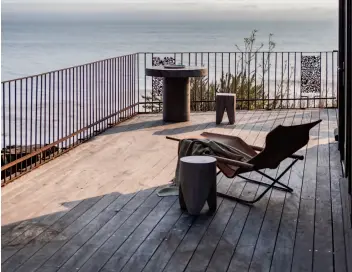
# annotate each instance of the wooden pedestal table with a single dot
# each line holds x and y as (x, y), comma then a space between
(225, 101)
(197, 183)
(176, 90)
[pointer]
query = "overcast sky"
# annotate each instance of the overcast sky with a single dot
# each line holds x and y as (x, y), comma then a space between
(190, 8)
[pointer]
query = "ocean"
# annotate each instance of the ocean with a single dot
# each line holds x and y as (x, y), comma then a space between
(34, 46)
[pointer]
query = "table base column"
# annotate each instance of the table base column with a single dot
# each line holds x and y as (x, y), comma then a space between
(176, 99)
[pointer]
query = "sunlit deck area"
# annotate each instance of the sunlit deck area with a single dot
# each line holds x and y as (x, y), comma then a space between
(95, 208)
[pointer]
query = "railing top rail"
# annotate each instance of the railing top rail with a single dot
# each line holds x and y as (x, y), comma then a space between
(233, 52)
(161, 52)
(64, 69)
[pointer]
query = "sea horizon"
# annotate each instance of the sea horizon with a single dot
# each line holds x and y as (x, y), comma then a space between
(33, 46)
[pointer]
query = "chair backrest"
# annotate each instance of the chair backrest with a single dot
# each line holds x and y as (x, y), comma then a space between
(282, 142)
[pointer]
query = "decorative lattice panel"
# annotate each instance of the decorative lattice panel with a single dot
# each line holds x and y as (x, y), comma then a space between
(310, 74)
(157, 82)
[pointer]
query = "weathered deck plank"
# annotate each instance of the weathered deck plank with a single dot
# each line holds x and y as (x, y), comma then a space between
(112, 219)
(336, 203)
(304, 239)
(261, 260)
(226, 246)
(282, 258)
(243, 254)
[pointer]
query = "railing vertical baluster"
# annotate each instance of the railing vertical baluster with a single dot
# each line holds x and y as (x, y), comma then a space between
(122, 96)
(54, 77)
(269, 55)
(125, 71)
(288, 79)
(36, 119)
(67, 84)
(125, 63)
(40, 113)
(89, 99)
(72, 113)
(21, 119)
(134, 59)
(117, 82)
(282, 77)
(4, 124)
(263, 81)
(215, 73)
(31, 129)
(85, 100)
(326, 79)
(138, 94)
(145, 82)
(106, 80)
(196, 91)
(132, 83)
(248, 80)
(201, 83)
(255, 80)
(123, 86)
(208, 81)
(243, 74)
(58, 106)
(61, 90)
(276, 79)
(96, 101)
(4, 127)
(152, 95)
(97, 97)
(300, 89)
(236, 87)
(103, 94)
(332, 78)
(129, 85)
(81, 102)
(222, 72)
(72, 108)
(106, 92)
(119, 94)
(10, 131)
(294, 81)
(15, 98)
(111, 89)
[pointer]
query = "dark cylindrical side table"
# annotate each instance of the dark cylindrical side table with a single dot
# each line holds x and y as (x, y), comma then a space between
(176, 90)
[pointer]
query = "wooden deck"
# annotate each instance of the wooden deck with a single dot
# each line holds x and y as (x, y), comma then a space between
(96, 208)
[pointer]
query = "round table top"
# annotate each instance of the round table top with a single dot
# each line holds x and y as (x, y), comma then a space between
(198, 159)
(161, 71)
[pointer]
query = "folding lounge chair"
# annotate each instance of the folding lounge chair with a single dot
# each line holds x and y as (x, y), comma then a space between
(281, 143)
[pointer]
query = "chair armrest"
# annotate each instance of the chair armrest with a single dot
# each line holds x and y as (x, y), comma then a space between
(245, 165)
(173, 138)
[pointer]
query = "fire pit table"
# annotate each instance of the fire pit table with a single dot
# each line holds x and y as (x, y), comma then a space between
(176, 89)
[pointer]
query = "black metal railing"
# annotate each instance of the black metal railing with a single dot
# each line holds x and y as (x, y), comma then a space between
(46, 115)
(261, 80)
